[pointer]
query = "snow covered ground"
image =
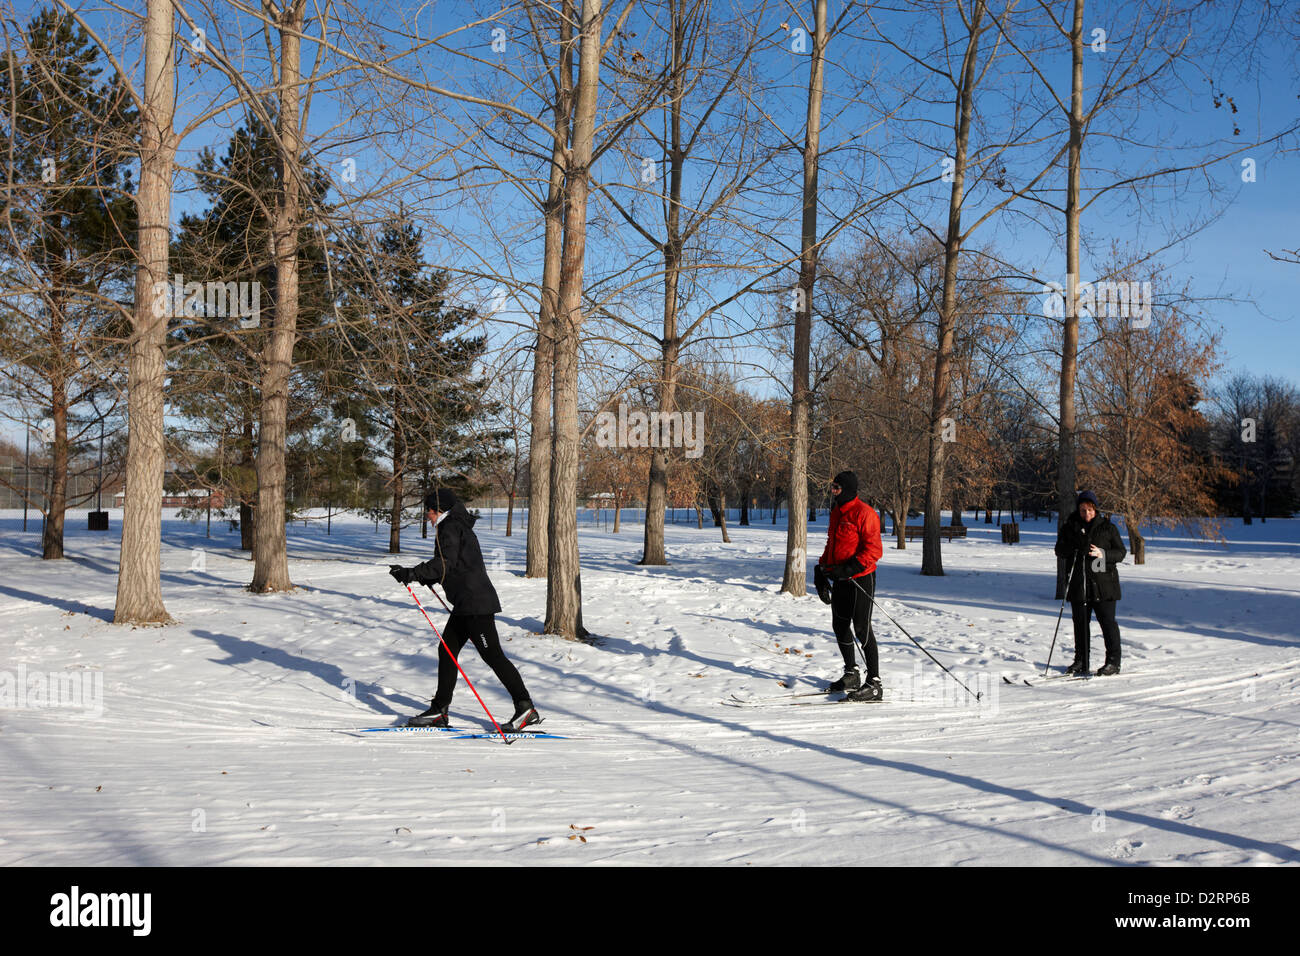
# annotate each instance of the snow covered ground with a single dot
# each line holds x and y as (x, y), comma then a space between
(219, 740)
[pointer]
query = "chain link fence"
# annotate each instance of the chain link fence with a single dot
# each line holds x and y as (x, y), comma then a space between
(14, 478)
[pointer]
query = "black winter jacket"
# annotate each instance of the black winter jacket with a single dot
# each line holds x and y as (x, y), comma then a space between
(1093, 579)
(457, 564)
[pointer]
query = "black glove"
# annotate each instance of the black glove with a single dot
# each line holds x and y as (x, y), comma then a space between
(822, 584)
(842, 572)
(401, 574)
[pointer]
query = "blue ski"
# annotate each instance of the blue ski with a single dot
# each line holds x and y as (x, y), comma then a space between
(1046, 680)
(461, 733)
(408, 730)
(515, 736)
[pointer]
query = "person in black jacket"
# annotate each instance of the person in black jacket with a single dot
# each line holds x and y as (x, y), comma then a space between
(1092, 547)
(457, 565)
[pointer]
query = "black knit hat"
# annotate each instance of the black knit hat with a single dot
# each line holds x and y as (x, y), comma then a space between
(440, 500)
(1086, 496)
(848, 483)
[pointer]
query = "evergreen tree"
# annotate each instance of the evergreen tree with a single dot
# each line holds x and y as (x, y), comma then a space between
(407, 371)
(215, 373)
(66, 251)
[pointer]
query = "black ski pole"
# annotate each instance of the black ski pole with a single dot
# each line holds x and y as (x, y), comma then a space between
(852, 636)
(870, 612)
(1065, 594)
(918, 644)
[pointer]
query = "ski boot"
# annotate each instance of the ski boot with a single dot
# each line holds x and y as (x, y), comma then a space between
(870, 692)
(1078, 669)
(525, 716)
(1108, 669)
(433, 717)
(850, 682)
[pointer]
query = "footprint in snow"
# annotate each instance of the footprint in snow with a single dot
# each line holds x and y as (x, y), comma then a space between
(1124, 849)
(1177, 812)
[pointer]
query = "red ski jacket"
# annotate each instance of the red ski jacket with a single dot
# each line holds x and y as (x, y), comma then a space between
(854, 533)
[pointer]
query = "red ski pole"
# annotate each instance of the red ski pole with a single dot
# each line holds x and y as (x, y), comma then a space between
(456, 662)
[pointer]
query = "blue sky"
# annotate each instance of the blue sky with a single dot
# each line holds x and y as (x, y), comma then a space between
(1261, 333)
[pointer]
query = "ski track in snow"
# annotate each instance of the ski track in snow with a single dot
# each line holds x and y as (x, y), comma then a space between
(223, 738)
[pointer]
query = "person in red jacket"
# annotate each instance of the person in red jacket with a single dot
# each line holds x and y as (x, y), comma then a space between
(852, 549)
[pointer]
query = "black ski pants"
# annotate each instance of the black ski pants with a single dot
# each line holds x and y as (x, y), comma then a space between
(481, 631)
(1081, 612)
(852, 602)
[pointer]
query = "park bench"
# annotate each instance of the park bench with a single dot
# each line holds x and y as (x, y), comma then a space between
(945, 531)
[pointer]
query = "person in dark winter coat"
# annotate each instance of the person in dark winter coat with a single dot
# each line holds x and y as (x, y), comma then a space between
(1092, 548)
(853, 547)
(457, 565)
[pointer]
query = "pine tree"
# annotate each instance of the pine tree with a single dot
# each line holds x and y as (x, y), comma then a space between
(65, 256)
(215, 370)
(407, 372)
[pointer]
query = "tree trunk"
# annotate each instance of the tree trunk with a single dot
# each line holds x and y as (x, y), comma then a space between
(399, 467)
(796, 536)
(270, 550)
(618, 513)
(1066, 477)
(563, 582)
(722, 509)
(139, 581)
(1137, 544)
(246, 524)
(931, 545)
(1245, 495)
(1067, 468)
(657, 493)
(247, 519)
(510, 512)
(956, 521)
(57, 504)
(541, 439)
(699, 515)
(424, 491)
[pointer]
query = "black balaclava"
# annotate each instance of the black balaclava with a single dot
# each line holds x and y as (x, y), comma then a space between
(848, 483)
(443, 499)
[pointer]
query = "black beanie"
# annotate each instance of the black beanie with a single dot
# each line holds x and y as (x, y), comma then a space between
(848, 483)
(1086, 496)
(443, 499)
